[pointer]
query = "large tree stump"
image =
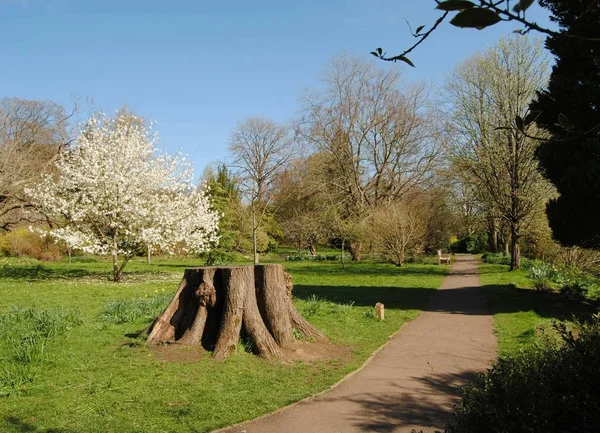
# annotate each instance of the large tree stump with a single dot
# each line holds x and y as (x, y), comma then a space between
(214, 305)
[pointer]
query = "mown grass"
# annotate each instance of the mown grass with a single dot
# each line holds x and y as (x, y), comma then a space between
(97, 375)
(521, 314)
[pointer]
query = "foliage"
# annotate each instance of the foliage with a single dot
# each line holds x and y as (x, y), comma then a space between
(480, 14)
(488, 92)
(472, 244)
(119, 203)
(376, 141)
(315, 258)
(23, 242)
(225, 197)
(501, 259)
(542, 276)
(569, 109)
(549, 388)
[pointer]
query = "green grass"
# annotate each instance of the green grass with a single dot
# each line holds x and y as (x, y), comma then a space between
(97, 375)
(522, 315)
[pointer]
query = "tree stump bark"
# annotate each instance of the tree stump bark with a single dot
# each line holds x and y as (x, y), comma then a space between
(214, 305)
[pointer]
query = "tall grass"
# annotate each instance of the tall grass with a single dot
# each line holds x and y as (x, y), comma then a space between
(25, 335)
(131, 310)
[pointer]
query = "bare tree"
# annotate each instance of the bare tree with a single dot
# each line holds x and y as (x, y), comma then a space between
(260, 149)
(378, 137)
(490, 93)
(32, 135)
(397, 231)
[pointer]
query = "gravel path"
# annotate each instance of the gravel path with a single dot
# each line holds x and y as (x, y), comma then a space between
(414, 380)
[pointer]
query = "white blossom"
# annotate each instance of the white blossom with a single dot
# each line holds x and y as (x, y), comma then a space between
(119, 195)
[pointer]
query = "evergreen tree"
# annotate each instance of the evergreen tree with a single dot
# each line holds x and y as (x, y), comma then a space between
(570, 111)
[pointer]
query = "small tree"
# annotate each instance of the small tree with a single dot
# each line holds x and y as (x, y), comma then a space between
(260, 149)
(117, 195)
(397, 231)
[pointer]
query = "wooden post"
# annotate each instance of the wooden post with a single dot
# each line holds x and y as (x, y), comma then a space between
(380, 310)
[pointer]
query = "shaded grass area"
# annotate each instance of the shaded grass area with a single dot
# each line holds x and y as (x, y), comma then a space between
(99, 376)
(521, 314)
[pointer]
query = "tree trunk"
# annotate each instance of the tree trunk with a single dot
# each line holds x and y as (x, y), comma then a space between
(356, 250)
(515, 249)
(149, 255)
(254, 229)
(492, 235)
(215, 304)
(272, 301)
(115, 263)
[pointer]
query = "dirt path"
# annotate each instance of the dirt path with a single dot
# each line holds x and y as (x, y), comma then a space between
(414, 380)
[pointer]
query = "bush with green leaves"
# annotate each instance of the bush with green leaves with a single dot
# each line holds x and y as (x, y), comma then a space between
(472, 244)
(543, 275)
(501, 259)
(316, 258)
(551, 388)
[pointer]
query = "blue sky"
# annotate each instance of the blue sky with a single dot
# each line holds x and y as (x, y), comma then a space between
(199, 67)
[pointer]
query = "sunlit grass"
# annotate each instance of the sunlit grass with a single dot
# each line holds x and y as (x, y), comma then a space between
(100, 376)
(522, 315)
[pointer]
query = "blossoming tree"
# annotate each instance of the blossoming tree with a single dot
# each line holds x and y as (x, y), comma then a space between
(118, 195)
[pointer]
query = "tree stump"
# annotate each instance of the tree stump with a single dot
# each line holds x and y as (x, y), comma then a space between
(215, 305)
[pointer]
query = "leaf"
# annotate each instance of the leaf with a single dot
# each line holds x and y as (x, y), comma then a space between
(455, 5)
(478, 18)
(403, 59)
(520, 123)
(523, 5)
(380, 51)
(419, 29)
(375, 54)
(564, 121)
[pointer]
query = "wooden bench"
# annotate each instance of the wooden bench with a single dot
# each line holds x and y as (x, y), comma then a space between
(444, 259)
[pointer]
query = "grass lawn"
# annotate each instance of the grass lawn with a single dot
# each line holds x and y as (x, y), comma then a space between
(72, 358)
(521, 315)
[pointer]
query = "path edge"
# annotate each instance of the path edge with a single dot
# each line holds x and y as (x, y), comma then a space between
(331, 387)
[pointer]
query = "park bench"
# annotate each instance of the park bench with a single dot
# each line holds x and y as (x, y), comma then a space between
(443, 259)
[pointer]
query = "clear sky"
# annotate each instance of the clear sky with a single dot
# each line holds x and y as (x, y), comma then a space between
(199, 67)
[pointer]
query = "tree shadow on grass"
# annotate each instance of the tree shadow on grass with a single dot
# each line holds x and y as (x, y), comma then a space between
(509, 299)
(503, 299)
(15, 424)
(367, 269)
(391, 297)
(40, 272)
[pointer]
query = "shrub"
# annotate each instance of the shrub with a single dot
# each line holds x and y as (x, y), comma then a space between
(472, 244)
(542, 276)
(24, 243)
(496, 259)
(573, 291)
(316, 258)
(553, 387)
